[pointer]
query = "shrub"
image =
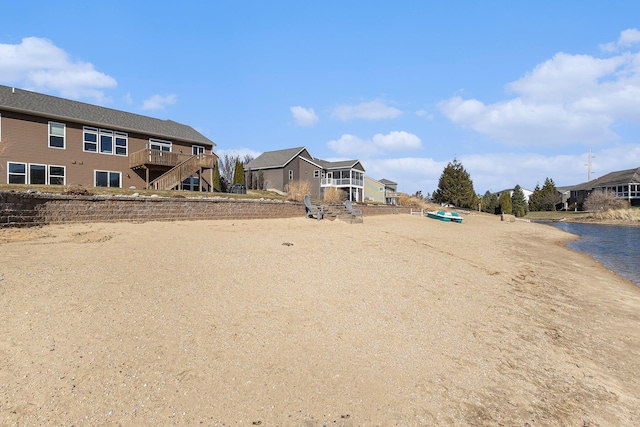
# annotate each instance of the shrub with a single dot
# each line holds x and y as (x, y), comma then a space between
(602, 201)
(334, 195)
(297, 190)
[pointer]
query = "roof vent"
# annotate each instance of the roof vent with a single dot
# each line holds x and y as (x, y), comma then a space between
(13, 90)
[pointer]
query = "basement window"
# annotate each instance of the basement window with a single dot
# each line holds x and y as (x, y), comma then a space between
(108, 179)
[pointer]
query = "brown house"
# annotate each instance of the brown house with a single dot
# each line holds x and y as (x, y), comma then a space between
(46, 140)
(275, 169)
(623, 184)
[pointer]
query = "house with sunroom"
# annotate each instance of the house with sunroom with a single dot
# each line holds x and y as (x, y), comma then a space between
(46, 140)
(275, 169)
(624, 184)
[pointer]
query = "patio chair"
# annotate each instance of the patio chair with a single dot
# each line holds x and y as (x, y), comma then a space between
(313, 210)
(355, 212)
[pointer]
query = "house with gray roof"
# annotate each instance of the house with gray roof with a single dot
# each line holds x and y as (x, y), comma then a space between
(275, 169)
(48, 140)
(624, 184)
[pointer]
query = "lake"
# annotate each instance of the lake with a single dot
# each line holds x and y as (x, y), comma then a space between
(615, 246)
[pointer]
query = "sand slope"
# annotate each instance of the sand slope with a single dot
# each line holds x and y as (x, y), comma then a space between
(401, 320)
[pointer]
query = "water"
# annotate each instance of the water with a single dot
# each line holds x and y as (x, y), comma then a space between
(615, 246)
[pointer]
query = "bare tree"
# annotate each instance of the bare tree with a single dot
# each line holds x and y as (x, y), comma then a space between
(227, 164)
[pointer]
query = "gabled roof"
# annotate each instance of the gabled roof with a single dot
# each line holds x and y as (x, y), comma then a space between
(52, 107)
(344, 164)
(311, 162)
(629, 176)
(387, 182)
(276, 159)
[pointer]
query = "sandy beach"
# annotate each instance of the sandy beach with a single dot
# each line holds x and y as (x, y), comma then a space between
(401, 320)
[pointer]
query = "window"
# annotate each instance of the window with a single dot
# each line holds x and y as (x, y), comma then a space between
(107, 179)
(121, 143)
(290, 174)
(56, 134)
(57, 175)
(90, 139)
(33, 173)
(316, 174)
(37, 174)
(110, 142)
(191, 184)
(197, 149)
(158, 144)
(106, 141)
(17, 173)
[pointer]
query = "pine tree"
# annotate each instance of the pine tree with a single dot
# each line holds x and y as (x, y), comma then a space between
(549, 196)
(505, 202)
(216, 180)
(519, 204)
(535, 199)
(238, 174)
(455, 187)
(489, 202)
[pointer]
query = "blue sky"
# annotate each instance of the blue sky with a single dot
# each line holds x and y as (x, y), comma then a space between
(517, 91)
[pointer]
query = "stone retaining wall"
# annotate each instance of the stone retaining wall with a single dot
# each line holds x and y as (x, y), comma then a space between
(19, 209)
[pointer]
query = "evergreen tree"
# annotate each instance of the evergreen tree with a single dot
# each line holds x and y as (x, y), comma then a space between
(519, 204)
(549, 196)
(535, 199)
(489, 202)
(455, 187)
(505, 202)
(216, 180)
(238, 174)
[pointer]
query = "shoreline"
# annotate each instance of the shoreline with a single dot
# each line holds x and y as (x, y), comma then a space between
(399, 320)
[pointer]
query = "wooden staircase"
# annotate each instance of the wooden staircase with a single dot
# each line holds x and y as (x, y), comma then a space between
(174, 176)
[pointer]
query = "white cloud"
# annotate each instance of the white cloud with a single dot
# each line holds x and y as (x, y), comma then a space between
(424, 113)
(37, 64)
(374, 110)
(627, 39)
(304, 116)
(351, 145)
(128, 99)
(158, 102)
(567, 99)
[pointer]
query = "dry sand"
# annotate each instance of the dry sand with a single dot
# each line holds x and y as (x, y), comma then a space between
(401, 320)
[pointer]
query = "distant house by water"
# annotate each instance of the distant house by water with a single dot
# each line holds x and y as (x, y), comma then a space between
(623, 184)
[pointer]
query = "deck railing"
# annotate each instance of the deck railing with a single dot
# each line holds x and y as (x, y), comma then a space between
(164, 158)
(184, 170)
(341, 182)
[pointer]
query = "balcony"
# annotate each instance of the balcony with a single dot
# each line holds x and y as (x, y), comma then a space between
(148, 157)
(341, 182)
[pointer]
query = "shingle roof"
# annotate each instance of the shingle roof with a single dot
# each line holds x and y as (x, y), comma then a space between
(623, 177)
(275, 159)
(24, 101)
(337, 165)
(387, 182)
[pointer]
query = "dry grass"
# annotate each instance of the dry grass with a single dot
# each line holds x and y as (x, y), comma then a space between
(297, 190)
(334, 195)
(68, 189)
(617, 215)
(409, 201)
